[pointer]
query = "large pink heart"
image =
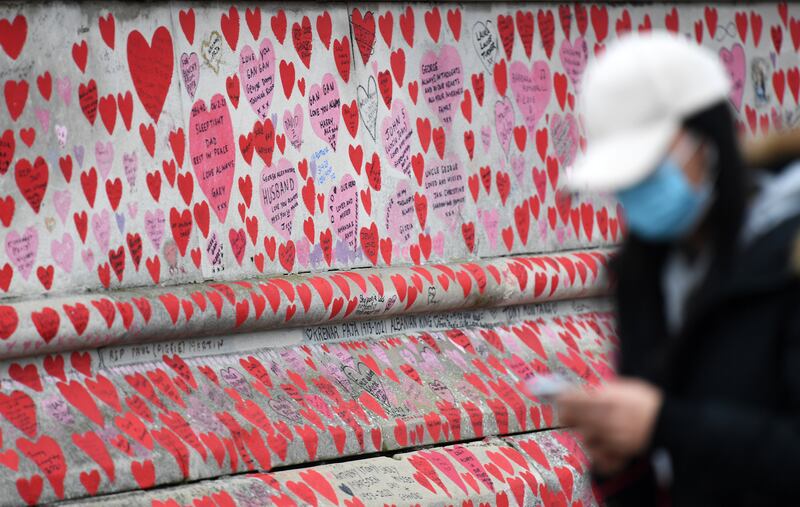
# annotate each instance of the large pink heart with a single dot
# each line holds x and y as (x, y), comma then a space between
(343, 208)
(258, 76)
(442, 82)
(734, 60)
(400, 214)
(532, 89)
(444, 185)
(22, 250)
(279, 196)
(213, 153)
(396, 136)
(324, 109)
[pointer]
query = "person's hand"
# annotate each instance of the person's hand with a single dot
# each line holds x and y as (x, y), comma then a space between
(616, 420)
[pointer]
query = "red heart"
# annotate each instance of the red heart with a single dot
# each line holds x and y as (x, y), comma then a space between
(187, 21)
(253, 19)
(13, 35)
(230, 27)
(363, 32)
(16, 93)
(151, 67)
(341, 56)
(433, 21)
(79, 54)
(32, 181)
(278, 22)
(302, 39)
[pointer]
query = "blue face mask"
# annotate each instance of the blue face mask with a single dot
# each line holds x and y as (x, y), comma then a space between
(665, 206)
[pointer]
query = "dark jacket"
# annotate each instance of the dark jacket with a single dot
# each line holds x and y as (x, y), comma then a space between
(730, 421)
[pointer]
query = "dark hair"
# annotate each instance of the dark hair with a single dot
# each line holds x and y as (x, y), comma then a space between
(724, 221)
(716, 124)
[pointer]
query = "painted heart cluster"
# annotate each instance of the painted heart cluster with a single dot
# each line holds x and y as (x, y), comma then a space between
(99, 422)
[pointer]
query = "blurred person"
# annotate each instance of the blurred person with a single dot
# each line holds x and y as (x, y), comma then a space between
(706, 408)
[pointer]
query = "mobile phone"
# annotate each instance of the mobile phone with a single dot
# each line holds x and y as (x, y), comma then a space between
(548, 386)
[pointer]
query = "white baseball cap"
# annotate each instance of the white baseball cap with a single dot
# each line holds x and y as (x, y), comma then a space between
(634, 98)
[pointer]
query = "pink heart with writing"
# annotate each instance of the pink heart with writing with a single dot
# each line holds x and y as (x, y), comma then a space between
(486, 137)
(504, 122)
(258, 76)
(324, 109)
(130, 165)
(518, 168)
(279, 196)
(396, 137)
(444, 184)
(564, 134)
(442, 82)
(293, 125)
(343, 210)
(400, 214)
(532, 89)
(22, 250)
(212, 151)
(190, 70)
(574, 56)
(154, 223)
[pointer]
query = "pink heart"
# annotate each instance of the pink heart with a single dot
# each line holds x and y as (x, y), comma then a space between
(213, 152)
(574, 57)
(437, 244)
(444, 185)
(564, 133)
(258, 76)
(104, 156)
(88, 259)
(22, 250)
(518, 168)
(293, 125)
(504, 122)
(279, 196)
(101, 228)
(489, 219)
(62, 201)
(734, 60)
(43, 115)
(486, 137)
(442, 82)
(400, 214)
(130, 165)
(63, 251)
(64, 86)
(532, 90)
(396, 136)
(324, 109)
(343, 208)
(154, 222)
(190, 70)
